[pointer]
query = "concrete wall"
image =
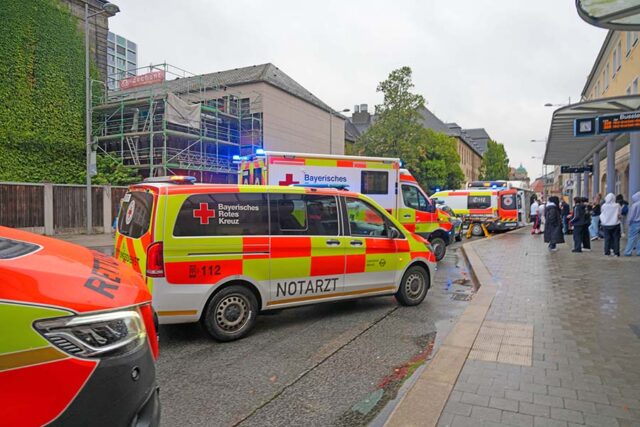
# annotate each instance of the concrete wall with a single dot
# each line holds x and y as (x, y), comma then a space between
(291, 124)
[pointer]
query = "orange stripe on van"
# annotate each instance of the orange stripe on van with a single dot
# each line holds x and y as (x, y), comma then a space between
(380, 246)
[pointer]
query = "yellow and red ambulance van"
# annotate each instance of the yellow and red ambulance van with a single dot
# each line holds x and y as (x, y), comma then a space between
(220, 254)
(78, 342)
(381, 179)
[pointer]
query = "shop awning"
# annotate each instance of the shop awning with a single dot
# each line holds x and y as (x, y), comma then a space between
(621, 15)
(563, 148)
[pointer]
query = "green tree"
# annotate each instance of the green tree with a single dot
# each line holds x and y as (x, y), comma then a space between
(112, 171)
(398, 132)
(495, 163)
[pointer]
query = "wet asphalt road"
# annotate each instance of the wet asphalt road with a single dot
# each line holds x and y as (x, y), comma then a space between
(313, 366)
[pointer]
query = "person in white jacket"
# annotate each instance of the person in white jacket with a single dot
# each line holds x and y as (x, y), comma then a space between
(610, 220)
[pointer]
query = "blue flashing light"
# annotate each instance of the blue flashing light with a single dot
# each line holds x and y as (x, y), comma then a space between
(494, 186)
(236, 157)
(437, 190)
(401, 163)
(260, 152)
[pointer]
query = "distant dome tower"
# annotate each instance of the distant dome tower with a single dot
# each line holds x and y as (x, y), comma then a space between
(521, 172)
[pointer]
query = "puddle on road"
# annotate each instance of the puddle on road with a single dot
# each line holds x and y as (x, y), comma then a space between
(363, 412)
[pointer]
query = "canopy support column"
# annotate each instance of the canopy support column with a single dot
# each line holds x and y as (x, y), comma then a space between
(595, 187)
(634, 163)
(577, 185)
(611, 166)
(585, 184)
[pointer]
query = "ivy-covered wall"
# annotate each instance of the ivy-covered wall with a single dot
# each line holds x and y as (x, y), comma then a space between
(41, 93)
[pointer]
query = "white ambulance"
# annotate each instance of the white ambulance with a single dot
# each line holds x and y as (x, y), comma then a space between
(379, 178)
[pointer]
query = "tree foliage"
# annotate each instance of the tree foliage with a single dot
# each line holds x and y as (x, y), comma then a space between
(495, 163)
(431, 157)
(112, 171)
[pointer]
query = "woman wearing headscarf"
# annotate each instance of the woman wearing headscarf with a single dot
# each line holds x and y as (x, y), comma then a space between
(579, 223)
(634, 226)
(610, 220)
(553, 223)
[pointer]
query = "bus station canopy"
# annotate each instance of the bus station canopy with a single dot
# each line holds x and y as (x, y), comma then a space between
(621, 15)
(563, 148)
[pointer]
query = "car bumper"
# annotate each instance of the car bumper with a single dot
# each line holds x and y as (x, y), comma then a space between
(121, 391)
(502, 226)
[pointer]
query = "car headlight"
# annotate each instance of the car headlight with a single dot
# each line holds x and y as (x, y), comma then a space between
(97, 335)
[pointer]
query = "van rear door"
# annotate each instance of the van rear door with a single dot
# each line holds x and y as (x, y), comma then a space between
(134, 231)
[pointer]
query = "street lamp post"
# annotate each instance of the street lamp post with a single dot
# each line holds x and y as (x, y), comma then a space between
(549, 104)
(331, 113)
(111, 9)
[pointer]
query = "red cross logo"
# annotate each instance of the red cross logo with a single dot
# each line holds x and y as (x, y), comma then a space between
(204, 213)
(288, 180)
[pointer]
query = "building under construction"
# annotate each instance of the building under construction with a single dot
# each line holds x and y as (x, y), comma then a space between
(182, 124)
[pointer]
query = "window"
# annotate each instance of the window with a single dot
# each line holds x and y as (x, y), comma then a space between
(634, 86)
(414, 199)
(615, 62)
(304, 214)
(635, 37)
(365, 220)
(225, 214)
(508, 201)
(121, 50)
(374, 182)
(479, 202)
(606, 76)
(132, 46)
(131, 56)
(628, 92)
(135, 214)
(629, 41)
(618, 184)
(121, 63)
(111, 59)
(121, 40)
(131, 66)
(617, 57)
(111, 49)
(110, 36)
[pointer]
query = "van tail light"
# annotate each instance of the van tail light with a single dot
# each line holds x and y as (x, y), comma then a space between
(155, 260)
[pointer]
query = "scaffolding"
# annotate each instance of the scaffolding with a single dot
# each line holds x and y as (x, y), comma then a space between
(134, 128)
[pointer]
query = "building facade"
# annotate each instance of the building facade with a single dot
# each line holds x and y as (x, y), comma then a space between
(199, 125)
(615, 72)
(98, 29)
(122, 59)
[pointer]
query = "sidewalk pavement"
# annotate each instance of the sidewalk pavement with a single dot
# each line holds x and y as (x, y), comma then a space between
(559, 345)
(100, 242)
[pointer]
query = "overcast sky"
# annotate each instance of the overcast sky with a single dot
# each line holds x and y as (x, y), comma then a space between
(480, 63)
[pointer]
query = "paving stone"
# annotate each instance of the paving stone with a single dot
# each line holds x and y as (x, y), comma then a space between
(548, 422)
(554, 401)
(458, 408)
(592, 397)
(514, 419)
(460, 421)
(534, 388)
(474, 399)
(494, 390)
(614, 411)
(533, 409)
(481, 413)
(567, 415)
(455, 396)
(445, 420)
(544, 380)
(579, 405)
(600, 421)
(464, 386)
(524, 396)
(562, 392)
(504, 404)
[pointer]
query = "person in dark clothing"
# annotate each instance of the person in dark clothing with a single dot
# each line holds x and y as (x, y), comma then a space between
(586, 235)
(564, 211)
(579, 224)
(624, 210)
(553, 223)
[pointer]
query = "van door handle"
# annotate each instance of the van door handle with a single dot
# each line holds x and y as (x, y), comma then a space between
(407, 215)
(356, 243)
(333, 242)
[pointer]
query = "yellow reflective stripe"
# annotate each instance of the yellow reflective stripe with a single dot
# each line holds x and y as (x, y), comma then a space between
(35, 356)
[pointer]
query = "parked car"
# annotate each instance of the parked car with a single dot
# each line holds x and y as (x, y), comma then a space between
(78, 342)
(455, 220)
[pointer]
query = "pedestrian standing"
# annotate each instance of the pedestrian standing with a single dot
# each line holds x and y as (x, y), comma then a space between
(586, 237)
(624, 210)
(634, 226)
(553, 224)
(541, 208)
(610, 220)
(535, 219)
(594, 229)
(564, 211)
(579, 223)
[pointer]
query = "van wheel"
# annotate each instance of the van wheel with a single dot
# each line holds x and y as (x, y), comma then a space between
(413, 287)
(476, 230)
(231, 313)
(439, 247)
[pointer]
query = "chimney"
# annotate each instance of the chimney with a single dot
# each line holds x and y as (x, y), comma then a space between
(364, 108)
(360, 115)
(356, 108)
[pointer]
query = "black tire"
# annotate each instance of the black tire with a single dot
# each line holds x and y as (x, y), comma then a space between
(476, 230)
(413, 287)
(439, 247)
(231, 313)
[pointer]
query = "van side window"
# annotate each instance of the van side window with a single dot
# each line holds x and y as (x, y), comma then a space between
(135, 214)
(304, 214)
(223, 214)
(414, 199)
(508, 201)
(364, 219)
(374, 182)
(479, 202)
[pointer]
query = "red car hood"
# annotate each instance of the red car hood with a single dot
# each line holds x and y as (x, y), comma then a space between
(40, 270)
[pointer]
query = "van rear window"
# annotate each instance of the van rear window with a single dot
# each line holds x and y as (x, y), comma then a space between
(479, 202)
(373, 182)
(135, 214)
(224, 214)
